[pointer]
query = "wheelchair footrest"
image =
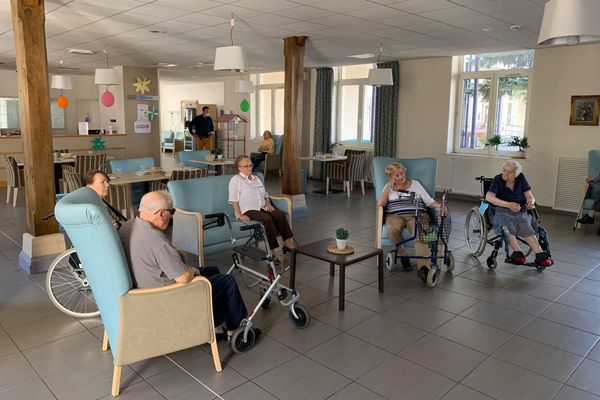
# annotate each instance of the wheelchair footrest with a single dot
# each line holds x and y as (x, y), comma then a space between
(251, 252)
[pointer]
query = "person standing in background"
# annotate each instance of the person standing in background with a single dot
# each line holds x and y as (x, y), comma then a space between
(202, 126)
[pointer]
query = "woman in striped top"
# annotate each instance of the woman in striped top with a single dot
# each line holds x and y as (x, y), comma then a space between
(399, 208)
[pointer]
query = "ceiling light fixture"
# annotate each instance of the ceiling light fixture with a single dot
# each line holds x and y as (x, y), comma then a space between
(570, 22)
(81, 51)
(61, 82)
(244, 86)
(165, 65)
(106, 76)
(230, 57)
(361, 56)
(380, 76)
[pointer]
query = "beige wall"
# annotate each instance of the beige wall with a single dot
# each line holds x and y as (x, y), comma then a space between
(426, 118)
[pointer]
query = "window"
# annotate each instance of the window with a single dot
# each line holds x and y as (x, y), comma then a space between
(494, 89)
(9, 114)
(352, 108)
(268, 98)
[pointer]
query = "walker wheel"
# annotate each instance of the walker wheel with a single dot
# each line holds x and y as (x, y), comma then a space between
(540, 267)
(303, 319)
(237, 340)
(450, 262)
(432, 277)
(390, 261)
(491, 262)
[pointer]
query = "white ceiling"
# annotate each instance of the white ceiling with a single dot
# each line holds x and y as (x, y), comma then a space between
(191, 29)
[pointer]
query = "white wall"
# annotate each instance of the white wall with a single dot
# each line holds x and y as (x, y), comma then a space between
(426, 118)
(173, 93)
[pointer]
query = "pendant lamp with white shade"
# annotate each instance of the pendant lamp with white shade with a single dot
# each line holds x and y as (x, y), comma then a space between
(244, 86)
(570, 22)
(62, 82)
(230, 57)
(106, 76)
(380, 76)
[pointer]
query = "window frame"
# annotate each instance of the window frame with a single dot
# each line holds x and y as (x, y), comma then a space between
(494, 76)
(255, 135)
(336, 136)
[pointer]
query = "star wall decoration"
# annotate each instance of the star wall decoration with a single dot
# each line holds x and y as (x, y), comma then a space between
(142, 85)
(98, 144)
(152, 113)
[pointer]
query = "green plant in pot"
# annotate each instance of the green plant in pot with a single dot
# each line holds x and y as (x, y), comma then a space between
(521, 143)
(341, 238)
(217, 152)
(494, 141)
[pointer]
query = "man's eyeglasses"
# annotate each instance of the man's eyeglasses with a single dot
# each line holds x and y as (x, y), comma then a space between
(171, 211)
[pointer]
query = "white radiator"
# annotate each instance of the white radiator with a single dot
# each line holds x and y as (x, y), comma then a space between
(570, 176)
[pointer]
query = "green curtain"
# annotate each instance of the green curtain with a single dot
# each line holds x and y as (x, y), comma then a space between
(323, 101)
(386, 113)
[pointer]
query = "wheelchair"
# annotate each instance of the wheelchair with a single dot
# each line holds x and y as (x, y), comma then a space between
(269, 285)
(433, 230)
(479, 223)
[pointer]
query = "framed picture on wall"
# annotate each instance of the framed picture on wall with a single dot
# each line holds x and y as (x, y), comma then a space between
(584, 110)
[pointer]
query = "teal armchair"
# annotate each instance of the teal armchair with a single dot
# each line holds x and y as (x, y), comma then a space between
(196, 198)
(422, 169)
(272, 162)
(131, 164)
(139, 323)
(186, 157)
(590, 191)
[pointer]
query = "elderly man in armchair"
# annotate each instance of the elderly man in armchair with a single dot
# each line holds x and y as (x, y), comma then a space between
(155, 262)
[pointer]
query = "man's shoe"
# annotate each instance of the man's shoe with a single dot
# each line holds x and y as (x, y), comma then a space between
(586, 219)
(221, 336)
(422, 273)
(543, 259)
(257, 333)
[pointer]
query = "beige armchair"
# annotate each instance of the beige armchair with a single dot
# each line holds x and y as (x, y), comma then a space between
(139, 323)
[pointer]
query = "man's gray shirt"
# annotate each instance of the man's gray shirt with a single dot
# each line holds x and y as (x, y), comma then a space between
(153, 260)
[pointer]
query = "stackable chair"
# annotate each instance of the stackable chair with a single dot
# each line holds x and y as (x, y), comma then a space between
(589, 191)
(347, 171)
(15, 178)
(139, 323)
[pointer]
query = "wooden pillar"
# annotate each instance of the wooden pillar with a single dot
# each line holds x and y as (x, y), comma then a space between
(293, 49)
(34, 109)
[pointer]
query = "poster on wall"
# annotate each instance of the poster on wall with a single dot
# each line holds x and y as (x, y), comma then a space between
(142, 127)
(142, 112)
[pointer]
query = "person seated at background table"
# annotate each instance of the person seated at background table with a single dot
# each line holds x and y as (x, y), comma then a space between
(511, 194)
(399, 207)
(266, 147)
(100, 183)
(154, 262)
(250, 201)
(589, 217)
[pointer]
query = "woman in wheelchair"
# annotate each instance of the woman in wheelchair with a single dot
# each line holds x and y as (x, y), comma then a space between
(398, 204)
(511, 194)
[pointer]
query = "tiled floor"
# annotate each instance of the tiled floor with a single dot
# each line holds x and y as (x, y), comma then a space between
(513, 333)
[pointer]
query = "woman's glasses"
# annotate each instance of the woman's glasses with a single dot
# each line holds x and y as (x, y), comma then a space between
(245, 166)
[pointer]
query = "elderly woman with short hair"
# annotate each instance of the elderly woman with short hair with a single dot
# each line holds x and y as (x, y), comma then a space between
(511, 194)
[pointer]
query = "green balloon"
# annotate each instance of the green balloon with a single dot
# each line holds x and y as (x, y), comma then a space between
(245, 105)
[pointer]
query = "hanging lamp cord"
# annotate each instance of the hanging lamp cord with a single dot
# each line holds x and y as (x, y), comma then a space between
(231, 30)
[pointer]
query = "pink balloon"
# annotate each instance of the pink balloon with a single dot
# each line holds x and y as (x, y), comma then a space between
(107, 99)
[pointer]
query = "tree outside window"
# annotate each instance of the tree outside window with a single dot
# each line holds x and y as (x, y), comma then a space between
(494, 92)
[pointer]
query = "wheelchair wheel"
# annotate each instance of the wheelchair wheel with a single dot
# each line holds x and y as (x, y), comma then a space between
(476, 230)
(491, 262)
(432, 277)
(450, 262)
(237, 340)
(303, 319)
(68, 287)
(390, 261)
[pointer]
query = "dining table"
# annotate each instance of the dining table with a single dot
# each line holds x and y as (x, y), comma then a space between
(219, 164)
(129, 178)
(58, 162)
(325, 159)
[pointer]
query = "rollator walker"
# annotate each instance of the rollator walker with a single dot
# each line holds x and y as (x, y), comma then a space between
(269, 285)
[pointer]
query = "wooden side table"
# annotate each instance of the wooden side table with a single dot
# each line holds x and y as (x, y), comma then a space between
(318, 250)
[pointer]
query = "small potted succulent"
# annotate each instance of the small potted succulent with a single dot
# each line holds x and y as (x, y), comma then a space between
(341, 238)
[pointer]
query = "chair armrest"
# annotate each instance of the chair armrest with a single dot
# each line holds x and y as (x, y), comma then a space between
(162, 320)
(379, 226)
(188, 234)
(284, 204)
